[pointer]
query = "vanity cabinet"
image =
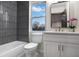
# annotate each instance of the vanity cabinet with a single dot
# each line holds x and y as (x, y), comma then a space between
(61, 44)
(51, 49)
(69, 50)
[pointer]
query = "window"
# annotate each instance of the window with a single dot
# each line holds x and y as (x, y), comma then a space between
(38, 16)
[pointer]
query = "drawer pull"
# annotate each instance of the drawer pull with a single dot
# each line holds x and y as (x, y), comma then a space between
(58, 47)
(62, 47)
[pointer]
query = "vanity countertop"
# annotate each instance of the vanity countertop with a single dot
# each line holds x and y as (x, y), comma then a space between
(51, 32)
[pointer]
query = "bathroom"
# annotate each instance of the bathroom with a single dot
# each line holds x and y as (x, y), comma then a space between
(35, 28)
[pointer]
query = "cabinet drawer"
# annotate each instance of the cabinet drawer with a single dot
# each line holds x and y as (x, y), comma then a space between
(61, 38)
(71, 39)
(57, 38)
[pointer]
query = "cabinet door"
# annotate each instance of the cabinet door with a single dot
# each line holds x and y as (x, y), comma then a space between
(69, 50)
(51, 49)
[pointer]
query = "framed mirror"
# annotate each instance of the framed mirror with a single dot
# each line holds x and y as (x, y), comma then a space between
(59, 15)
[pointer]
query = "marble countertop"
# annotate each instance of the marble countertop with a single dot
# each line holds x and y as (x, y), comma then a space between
(51, 32)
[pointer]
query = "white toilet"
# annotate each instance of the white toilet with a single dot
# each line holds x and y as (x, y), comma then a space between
(31, 48)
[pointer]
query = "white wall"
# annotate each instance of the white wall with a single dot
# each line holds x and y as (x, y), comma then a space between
(48, 16)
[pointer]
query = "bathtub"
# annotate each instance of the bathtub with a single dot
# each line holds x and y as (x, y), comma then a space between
(12, 49)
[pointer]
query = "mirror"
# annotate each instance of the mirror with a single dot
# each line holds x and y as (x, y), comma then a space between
(59, 15)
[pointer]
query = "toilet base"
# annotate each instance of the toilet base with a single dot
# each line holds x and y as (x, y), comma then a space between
(31, 54)
(31, 50)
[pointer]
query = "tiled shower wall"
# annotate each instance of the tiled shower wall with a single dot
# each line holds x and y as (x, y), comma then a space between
(14, 20)
(23, 21)
(8, 21)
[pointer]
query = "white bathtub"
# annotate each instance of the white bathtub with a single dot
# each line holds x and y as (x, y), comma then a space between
(12, 49)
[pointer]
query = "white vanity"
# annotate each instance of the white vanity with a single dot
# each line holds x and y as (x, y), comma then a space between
(61, 44)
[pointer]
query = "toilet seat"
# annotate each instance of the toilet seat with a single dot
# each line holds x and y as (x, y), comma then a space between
(30, 45)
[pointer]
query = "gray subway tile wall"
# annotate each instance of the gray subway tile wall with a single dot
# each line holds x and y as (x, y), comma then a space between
(8, 18)
(23, 21)
(14, 17)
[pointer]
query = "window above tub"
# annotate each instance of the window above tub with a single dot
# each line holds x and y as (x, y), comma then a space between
(38, 15)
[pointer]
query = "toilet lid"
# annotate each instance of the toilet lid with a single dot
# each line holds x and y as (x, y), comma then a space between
(30, 45)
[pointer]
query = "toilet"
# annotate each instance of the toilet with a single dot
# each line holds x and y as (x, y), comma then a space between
(31, 48)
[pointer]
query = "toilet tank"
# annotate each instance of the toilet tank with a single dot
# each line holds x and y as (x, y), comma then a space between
(36, 37)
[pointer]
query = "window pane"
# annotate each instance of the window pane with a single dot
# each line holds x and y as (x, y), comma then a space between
(38, 24)
(38, 16)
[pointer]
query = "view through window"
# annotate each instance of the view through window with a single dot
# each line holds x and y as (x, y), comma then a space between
(38, 16)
